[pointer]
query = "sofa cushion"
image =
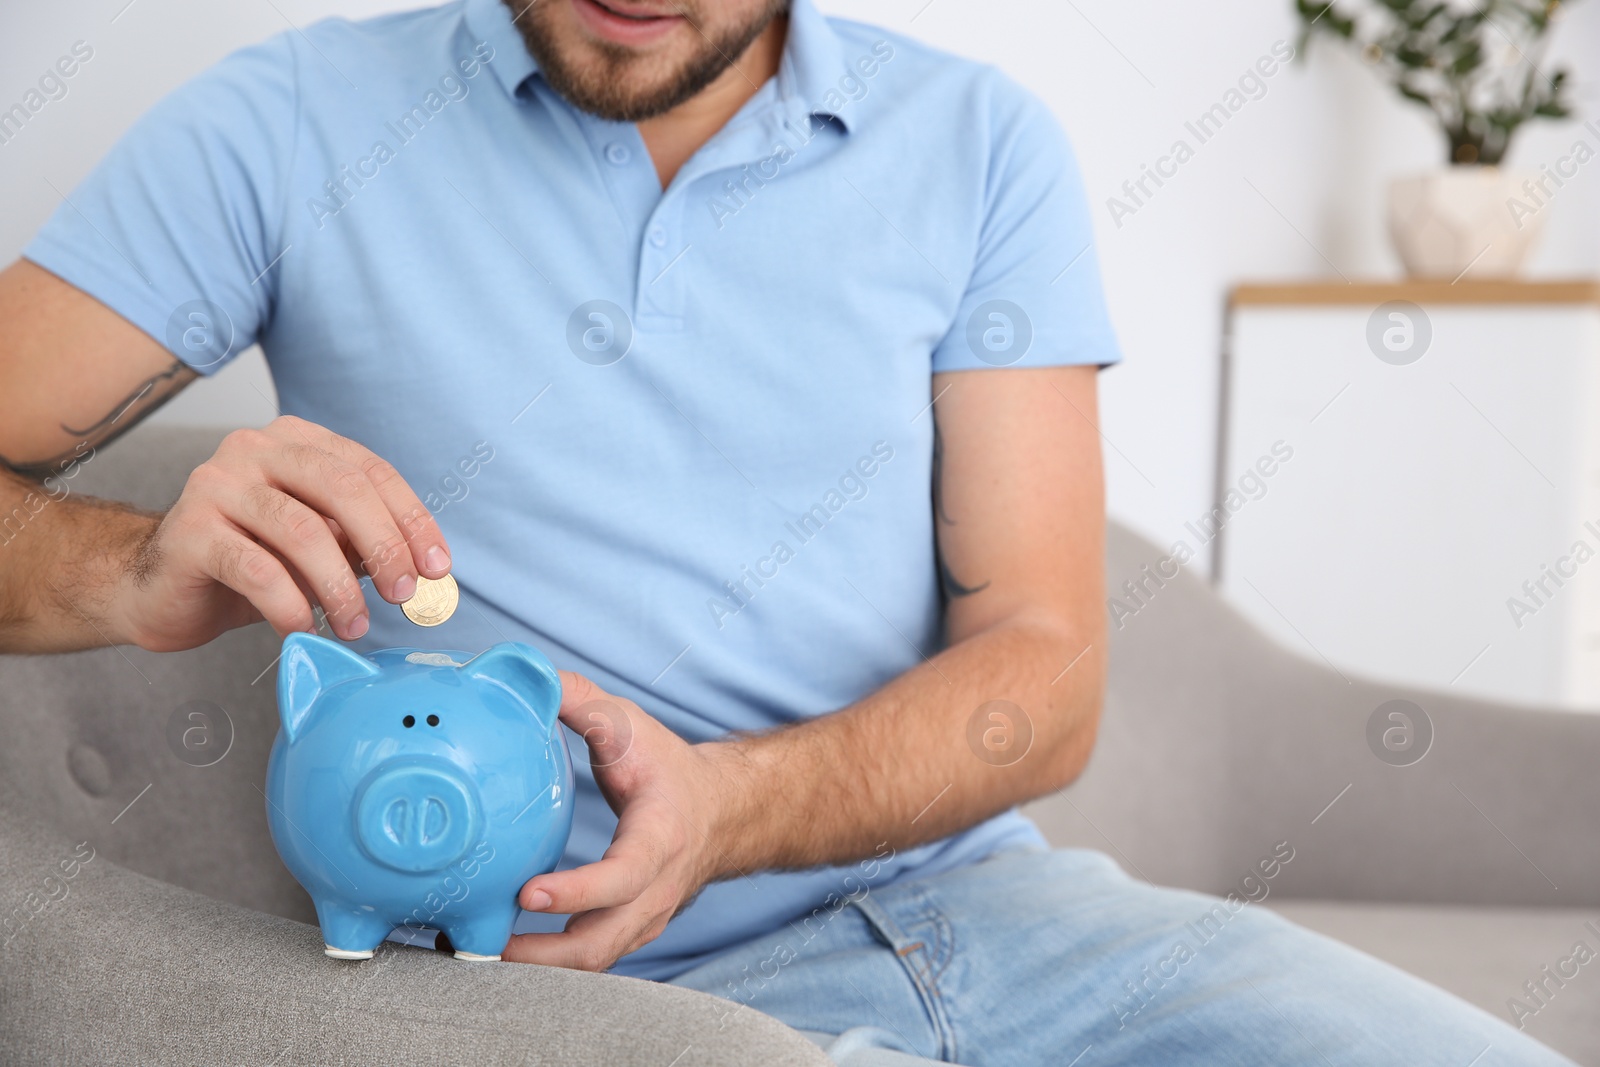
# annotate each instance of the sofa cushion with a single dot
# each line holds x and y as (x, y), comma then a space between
(158, 759)
(104, 966)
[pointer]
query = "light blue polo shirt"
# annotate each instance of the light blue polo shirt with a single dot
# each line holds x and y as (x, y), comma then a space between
(679, 440)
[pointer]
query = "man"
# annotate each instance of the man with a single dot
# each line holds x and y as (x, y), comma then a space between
(673, 317)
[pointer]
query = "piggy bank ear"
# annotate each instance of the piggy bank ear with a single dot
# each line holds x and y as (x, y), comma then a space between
(309, 665)
(525, 671)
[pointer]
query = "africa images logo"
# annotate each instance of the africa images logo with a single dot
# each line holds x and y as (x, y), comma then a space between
(1399, 733)
(1399, 332)
(202, 331)
(599, 332)
(999, 332)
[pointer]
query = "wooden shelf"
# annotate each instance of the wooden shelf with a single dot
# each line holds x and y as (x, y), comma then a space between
(1419, 291)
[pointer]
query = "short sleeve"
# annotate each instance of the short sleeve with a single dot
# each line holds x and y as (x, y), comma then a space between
(1034, 296)
(176, 228)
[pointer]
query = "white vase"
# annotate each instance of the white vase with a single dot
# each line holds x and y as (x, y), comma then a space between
(1460, 221)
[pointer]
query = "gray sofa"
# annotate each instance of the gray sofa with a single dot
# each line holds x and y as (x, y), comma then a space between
(1474, 867)
(144, 916)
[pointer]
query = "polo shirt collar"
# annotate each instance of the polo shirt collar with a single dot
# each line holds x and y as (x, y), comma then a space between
(811, 64)
(490, 20)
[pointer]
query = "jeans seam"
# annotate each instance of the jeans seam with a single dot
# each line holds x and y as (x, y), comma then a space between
(926, 980)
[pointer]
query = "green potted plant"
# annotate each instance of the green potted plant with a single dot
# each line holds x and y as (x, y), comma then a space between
(1478, 66)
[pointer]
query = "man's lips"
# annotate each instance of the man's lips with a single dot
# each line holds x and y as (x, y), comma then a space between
(637, 12)
(626, 23)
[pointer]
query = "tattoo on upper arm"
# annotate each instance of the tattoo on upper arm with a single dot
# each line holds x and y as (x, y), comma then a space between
(146, 397)
(948, 582)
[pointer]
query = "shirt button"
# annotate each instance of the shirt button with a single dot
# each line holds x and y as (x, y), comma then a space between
(618, 153)
(658, 236)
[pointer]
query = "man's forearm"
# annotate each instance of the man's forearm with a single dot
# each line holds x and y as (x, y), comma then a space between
(900, 767)
(61, 556)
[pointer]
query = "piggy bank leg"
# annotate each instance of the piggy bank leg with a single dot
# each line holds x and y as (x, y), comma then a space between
(350, 932)
(481, 938)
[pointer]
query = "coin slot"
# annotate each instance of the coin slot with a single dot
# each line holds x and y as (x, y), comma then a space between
(409, 721)
(433, 720)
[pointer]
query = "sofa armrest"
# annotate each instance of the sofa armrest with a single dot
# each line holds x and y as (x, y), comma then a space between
(101, 965)
(1218, 743)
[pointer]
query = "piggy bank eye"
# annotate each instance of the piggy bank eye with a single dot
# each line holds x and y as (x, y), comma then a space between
(433, 720)
(409, 721)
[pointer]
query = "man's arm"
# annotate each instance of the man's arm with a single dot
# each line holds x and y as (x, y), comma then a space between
(278, 520)
(1021, 523)
(58, 550)
(52, 360)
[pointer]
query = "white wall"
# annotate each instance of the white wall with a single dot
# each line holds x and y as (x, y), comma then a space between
(1291, 187)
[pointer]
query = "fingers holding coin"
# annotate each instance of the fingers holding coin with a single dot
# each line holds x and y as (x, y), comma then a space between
(392, 532)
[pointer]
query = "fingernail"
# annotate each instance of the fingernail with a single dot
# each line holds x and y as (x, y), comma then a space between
(405, 588)
(436, 558)
(357, 627)
(538, 900)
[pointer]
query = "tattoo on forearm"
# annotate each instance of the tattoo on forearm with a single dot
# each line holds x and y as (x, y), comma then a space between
(128, 412)
(948, 582)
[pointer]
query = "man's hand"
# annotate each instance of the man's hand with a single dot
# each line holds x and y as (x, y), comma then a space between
(668, 795)
(278, 520)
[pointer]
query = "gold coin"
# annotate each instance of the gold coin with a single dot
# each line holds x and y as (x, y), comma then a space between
(434, 601)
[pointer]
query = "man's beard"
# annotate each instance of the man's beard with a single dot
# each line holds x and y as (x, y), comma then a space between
(605, 86)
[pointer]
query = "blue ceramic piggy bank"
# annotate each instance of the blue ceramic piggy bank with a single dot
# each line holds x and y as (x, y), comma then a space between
(417, 789)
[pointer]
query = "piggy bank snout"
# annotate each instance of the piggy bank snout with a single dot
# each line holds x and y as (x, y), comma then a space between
(417, 815)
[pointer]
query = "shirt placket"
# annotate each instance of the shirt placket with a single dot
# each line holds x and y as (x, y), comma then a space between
(664, 266)
(629, 176)
(658, 222)
(667, 256)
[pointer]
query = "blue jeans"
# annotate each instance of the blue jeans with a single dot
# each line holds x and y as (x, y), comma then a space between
(1036, 957)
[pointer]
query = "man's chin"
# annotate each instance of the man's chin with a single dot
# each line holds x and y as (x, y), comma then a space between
(626, 82)
(626, 91)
